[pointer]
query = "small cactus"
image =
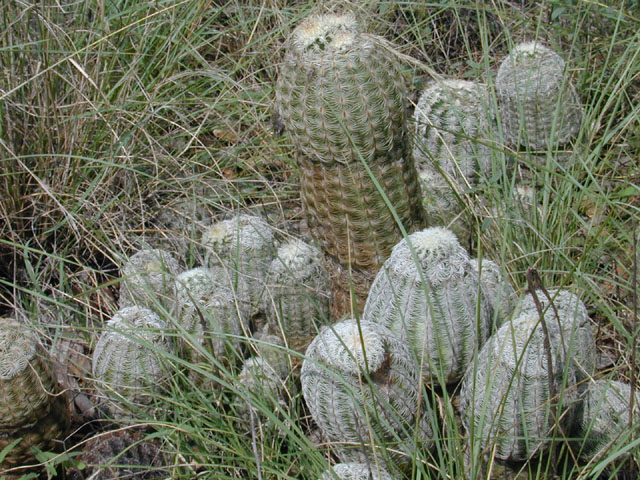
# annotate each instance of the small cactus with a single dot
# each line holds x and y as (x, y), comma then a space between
(506, 394)
(244, 246)
(127, 360)
(355, 471)
(433, 302)
(538, 104)
(498, 290)
(342, 99)
(148, 279)
(360, 382)
(32, 407)
(297, 302)
(605, 418)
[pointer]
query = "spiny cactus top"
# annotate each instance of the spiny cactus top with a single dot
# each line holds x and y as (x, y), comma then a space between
(358, 380)
(497, 288)
(605, 418)
(355, 471)
(342, 100)
(127, 360)
(297, 299)
(505, 399)
(433, 301)
(148, 279)
(451, 119)
(244, 245)
(579, 342)
(538, 104)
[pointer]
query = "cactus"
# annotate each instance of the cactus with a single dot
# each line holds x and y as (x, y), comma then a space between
(605, 418)
(579, 344)
(342, 99)
(33, 410)
(361, 384)
(148, 279)
(433, 302)
(511, 399)
(297, 302)
(499, 291)
(538, 105)
(244, 245)
(120, 454)
(127, 360)
(355, 471)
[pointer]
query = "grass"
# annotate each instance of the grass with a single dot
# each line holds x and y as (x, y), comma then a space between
(113, 114)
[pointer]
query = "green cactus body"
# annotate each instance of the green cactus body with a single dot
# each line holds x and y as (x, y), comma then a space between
(350, 410)
(579, 344)
(505, 398)
(605, 418)
(127, 360)
(498, 290)
(432, 303)
(244, 245)
(342, 100)
(297, 302)
(538, 105)
(148, 279)
(30, 401)
(355, 471)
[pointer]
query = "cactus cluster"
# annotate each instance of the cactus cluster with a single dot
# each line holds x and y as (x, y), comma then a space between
(342, 100)
(34, 413)
(429, 295)
(361, 385)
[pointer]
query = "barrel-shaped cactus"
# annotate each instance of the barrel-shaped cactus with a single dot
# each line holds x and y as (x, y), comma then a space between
(33, 409)
(355, 471)
(539, 106)
(606, 406)
(578, 340)
(428, 294)
(128, 361)
(245, 246)
(342, 99)
(297, 299)
(148, 279)
(498, 290)
(361, 384)
(512, 401)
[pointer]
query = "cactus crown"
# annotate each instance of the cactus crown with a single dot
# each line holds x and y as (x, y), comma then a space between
(296, 258)
(246, 232)
(17, 348)
(321, 33)
(196, 284)
(532, 62)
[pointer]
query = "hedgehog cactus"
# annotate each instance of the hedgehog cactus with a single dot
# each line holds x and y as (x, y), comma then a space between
(538, 104)
(148, 279)
(579, 344)
(127, 360)
(605, 418)
(360, 383)
(433, 302)
(511, 398)
(32, 408)
(297, 302)
(244, 245)
(499, 291)
(342, 99)
(355, 471)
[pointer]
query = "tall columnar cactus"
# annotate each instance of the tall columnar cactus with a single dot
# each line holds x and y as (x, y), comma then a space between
(342, 99)
(429, 295)
(355, 471)
(148, 279)
(579, 344)
(245, 246)
(297, 299)
(128, 358)
(538, 104)
(360, 383)
(605, 419)
(499, 291)
(33, 410)
(512, 400)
